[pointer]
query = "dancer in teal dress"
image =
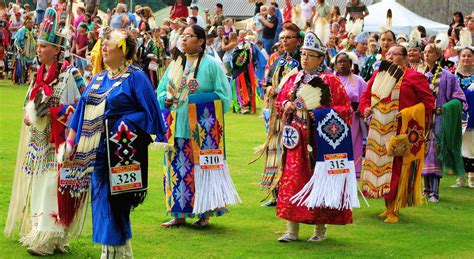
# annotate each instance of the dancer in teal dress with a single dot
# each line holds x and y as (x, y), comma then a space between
(194, 94)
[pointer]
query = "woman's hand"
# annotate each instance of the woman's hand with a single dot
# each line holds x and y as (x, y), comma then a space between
(367, 112)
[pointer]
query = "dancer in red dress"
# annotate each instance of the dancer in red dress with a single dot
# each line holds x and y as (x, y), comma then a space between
(300, 149)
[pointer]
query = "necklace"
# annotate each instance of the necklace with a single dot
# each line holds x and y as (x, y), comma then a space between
(114, 73)
(428, 74)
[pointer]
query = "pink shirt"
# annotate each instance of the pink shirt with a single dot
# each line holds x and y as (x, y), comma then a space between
(77, 21)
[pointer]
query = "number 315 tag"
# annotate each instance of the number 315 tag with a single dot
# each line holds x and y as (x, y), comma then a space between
(336, 163)
(211, 159)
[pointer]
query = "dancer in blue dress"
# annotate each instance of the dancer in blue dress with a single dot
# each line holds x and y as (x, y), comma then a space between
(110, 133)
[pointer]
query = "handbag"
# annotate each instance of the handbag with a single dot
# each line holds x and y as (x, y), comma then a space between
(399, 145)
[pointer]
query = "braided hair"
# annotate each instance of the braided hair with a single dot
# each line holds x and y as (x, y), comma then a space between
(200, 34)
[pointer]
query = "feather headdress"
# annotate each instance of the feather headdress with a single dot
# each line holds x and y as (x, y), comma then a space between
(414, 40)
(441, 40)
(388, 22)
(465, 40)
(355, 28)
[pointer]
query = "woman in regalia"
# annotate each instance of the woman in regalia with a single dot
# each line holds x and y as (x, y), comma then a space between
(355, 87)
(445, 88)
(194, 95)
(465, 76)
(303, 98)
(387, 40)
(288, 63)
(395, 91)
(49, 104)
(108, 143)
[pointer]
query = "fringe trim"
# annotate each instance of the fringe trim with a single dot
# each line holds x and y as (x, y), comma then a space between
(45, 241)
(161, 146)
(337, 191)
(409, 191)
(375, 192)
(214, 189)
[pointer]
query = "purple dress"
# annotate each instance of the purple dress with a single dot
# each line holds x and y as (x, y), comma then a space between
(355, 86)
(445, 88)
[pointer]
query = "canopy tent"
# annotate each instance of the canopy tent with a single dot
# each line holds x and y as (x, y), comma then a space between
(403, 19)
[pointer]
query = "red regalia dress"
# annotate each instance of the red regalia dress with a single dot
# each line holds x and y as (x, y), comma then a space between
(413, 90)
(298, 165)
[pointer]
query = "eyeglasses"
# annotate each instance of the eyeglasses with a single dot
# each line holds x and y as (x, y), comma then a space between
(303, 54)
(288, 37)
(187, 36)
(394, 54)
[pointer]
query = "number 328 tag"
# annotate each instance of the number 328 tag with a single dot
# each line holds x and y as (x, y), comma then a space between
(211, 159)
(336, 163)
(125, 178)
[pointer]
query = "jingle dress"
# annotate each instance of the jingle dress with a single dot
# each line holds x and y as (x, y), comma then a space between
(34, 200)
(194, 125)
(297, 168)
(444, 87)
(133, 101)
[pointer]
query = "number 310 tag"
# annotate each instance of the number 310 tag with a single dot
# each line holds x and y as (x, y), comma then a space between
(211, 159)
(336, 163)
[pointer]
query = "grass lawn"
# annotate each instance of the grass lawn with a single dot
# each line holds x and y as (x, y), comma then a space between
(433, 230)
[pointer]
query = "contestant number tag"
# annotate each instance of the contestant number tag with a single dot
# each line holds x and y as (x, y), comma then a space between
(336, 163)
(126, 178)
(211, 159)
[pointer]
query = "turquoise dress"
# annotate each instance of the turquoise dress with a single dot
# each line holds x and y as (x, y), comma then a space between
(179, 165)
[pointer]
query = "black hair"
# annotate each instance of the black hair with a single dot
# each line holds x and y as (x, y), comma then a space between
(422, 30)
(461, 22)
(219, 5)
(404, 50)
(200, 34)
(342, 54)
(195, 20)
(131, 47)
(463, 49)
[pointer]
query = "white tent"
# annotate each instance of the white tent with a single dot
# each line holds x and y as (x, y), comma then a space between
(403, 19)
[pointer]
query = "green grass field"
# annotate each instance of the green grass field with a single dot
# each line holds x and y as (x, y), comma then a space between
(432, 230)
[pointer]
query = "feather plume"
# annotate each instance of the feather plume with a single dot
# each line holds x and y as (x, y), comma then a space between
(355, 28)
(385, 80)
(30, 111)
(441, 40)
(388, 22)
(322, 30)
(465, 40)
(414, 40)
(310, 95)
